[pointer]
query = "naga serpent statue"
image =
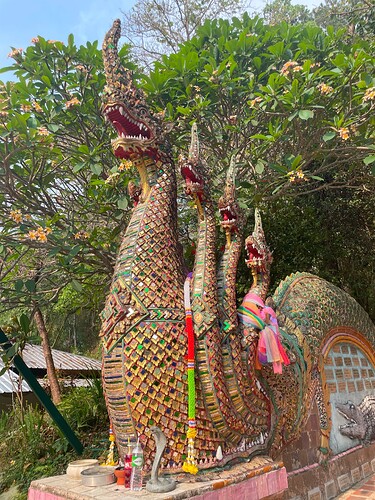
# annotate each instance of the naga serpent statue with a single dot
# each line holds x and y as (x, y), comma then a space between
(241, 407)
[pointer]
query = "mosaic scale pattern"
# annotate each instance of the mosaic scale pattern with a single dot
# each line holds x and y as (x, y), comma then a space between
(239, 408)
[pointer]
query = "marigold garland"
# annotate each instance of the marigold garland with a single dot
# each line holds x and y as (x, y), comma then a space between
(110, 457)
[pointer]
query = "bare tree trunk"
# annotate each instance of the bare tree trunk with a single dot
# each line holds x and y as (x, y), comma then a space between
(75, 332)
(51, 371)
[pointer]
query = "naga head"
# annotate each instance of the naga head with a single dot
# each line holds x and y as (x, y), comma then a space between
(356, 426)
(192, 169)
(230, 212)
(124, 105)
(259, 256)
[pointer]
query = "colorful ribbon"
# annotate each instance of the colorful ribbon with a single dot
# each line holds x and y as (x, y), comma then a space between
(254, 314)
(190, 463)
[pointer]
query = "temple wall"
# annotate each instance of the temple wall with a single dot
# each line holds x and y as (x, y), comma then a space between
(349, 375)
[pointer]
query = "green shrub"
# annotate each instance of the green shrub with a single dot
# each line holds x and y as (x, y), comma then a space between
(84, 407)
(32, 447)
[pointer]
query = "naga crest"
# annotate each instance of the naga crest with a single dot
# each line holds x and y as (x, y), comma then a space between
(139, 130)
(259, 256)
(204, 379)
(191, 167)
(230, 212)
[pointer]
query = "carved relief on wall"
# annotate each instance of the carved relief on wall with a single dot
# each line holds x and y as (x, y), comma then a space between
(350, 378)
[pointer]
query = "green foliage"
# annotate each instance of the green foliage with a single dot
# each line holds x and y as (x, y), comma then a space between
(85, 408)
(329, 233)
(18, 330)
(25, 450)
(296, 103)
(156, 27)
(31, 446)
(57, 157)
(63, 202)
(74, 317)
(356, 16)
(283, 10)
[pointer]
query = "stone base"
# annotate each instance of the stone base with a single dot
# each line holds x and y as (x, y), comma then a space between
(341, 472)
(260, 478)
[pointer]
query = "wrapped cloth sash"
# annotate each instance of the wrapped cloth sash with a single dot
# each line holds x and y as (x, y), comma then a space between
(254, 314)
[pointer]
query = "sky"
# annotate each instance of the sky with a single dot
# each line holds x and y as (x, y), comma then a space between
(88, 20)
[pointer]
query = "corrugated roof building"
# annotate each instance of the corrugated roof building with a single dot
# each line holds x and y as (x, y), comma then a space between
(64, 361)
(73, 369)
(11, 382)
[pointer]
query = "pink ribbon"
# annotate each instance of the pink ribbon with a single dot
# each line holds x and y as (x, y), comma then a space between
(270, 348)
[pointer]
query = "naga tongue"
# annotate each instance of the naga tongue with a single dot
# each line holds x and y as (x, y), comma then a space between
(120, 129)
(226, 217)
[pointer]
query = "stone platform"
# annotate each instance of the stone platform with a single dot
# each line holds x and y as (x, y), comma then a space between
(257, 479)
(339, 474)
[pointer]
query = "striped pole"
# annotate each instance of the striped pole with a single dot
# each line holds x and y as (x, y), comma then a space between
(190, 464)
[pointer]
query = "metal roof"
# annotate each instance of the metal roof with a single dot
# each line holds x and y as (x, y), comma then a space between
(34, 359)
(10, 382)
(65, 361)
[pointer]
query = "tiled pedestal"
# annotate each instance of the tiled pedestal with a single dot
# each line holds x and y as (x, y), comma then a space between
(255, 480)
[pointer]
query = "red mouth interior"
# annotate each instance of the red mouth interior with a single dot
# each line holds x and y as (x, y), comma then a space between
(253, 253)
(126, 125)
(227, 215)
(189, 174)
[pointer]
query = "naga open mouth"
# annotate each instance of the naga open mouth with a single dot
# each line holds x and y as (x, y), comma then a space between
(194, 182)
(351, 421)
(255, 258)
(351, 428)
(134, 135)
(228, 217)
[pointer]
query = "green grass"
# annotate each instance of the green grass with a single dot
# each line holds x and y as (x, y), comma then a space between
(32, 447)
